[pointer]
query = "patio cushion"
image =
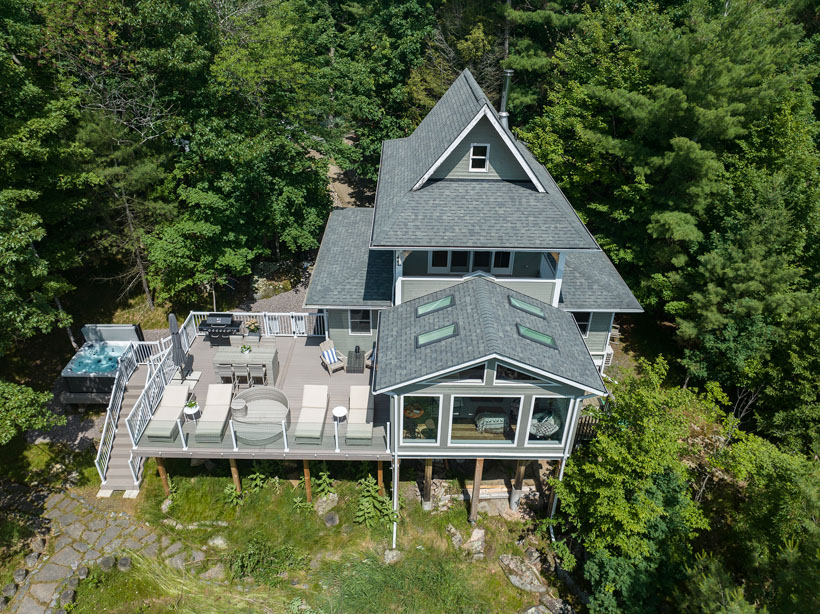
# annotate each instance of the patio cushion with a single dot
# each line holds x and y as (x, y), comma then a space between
(330, 356)
(163, 424)
(211, 425)
(360, 418)
(311, 421)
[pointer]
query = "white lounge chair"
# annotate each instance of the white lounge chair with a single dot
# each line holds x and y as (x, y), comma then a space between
(210, 428)
(311, 423)
(360, 417)
(163, 425)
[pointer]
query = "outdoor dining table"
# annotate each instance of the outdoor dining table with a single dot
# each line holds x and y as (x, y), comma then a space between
(259, 355)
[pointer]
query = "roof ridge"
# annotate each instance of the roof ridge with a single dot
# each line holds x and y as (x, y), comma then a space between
(486, 313)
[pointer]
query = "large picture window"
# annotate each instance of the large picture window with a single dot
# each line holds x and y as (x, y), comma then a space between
(360, 322)
(549, 420)
(420, 419)
(495, 262)
(482, 420)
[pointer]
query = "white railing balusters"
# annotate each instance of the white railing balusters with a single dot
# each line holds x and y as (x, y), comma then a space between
(284, 435)
(308, 324)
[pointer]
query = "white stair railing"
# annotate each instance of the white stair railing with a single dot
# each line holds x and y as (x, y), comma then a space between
(126, 365)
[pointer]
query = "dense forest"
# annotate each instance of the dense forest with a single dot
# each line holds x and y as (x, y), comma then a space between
(179, 142)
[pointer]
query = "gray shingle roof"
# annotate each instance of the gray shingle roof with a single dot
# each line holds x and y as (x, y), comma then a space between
(518, 216)
(347, 272)
(591, 283)
(486, 326)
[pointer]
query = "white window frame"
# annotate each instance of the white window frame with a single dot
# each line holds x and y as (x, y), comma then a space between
(585, 335)
(447, 270)
(573, 408)
(350, 320)
(486, 158)
(411, 442)
(538, 381)
(499, 444)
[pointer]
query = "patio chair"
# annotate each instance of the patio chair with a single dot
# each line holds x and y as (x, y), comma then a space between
(225, 371)
(210, 428)
(332, 359)
(360, 417)
(163, 428)
(242, 374)
(311, 422)
(257, 372)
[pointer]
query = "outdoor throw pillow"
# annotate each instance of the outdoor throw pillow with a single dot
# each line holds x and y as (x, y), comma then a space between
(330, 356)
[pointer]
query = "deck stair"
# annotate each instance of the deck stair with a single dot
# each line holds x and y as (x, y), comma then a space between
(118, 476)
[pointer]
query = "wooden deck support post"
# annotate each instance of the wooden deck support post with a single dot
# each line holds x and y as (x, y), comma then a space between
(163, 475)
(380, 477)
(479, 468)
(426, 502)
(518, 483)
(306, 467)
(237, 482)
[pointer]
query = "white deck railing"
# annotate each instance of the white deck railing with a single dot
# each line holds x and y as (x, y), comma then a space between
(304, 324)
(126, 365)
(161, 373)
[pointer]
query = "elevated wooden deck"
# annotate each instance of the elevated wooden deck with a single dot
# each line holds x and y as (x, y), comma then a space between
(299, 364)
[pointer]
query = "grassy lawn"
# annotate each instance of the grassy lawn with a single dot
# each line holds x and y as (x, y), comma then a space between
(328, 569)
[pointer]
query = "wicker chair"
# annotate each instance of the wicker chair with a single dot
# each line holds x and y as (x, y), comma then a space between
(257, 372)
(341, 361)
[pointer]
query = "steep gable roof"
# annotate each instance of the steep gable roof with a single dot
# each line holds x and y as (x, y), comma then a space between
(520, 219)
(487, 327)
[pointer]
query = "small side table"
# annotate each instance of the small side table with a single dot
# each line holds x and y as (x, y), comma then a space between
(239, 408)
(339, 413)
(355, 362)
(191, 413)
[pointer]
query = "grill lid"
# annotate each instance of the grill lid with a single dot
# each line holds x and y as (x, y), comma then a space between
(219, 319)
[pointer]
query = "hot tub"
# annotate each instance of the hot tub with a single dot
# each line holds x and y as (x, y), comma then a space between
(94, 367)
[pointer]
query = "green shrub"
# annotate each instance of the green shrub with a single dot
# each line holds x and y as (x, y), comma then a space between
(263, 561)
(323, 486)
(372, 508)
(232, 497)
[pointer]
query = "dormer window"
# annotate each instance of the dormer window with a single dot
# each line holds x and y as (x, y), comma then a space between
(479, 158)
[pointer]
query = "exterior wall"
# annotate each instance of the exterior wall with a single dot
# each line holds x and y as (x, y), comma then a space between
(502, 163)
(525, 264)
(598, 332)
(414, 288)
(415, 264)
(519, 449)
(339, 330)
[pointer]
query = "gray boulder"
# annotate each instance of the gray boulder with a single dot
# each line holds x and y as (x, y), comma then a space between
(217, 572)
(555, 605)
(9, 590)
(107, 563)
(82, 572)
(536, 609)
(31, 559)
(392, 556)
(217, 541)
(20, 575)
(124, 564)
(323, 505)
(331, 519)
(67, 596)
(166, 505)
(521, 574)
(38, 544)
(455, 536)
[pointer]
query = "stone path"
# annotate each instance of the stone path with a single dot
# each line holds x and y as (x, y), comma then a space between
(82, 534)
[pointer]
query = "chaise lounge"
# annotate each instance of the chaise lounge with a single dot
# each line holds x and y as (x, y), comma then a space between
(163, 426)
(360, 418)
(311, 423)
(210, 428)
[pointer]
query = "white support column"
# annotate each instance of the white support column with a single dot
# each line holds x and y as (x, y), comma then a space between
(559, 278)
(608, 338)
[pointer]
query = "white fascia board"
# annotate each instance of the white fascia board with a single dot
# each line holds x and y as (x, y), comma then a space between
(505, 359)
(484, 112)
(483, 248)
(343, 307)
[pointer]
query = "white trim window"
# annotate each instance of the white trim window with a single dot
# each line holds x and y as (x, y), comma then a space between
(582, 319)
(484, 420)
(479, 157)
(549, 421)
(470, 375)
(461, 262)
(420, 419)
(360, 322)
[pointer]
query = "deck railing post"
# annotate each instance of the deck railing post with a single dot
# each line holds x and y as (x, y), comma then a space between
(293, 323)
(387, 448)
(131, 467)
(336, 432)
(233, 436)
(182, 435)
(265, 320)
(285, 435)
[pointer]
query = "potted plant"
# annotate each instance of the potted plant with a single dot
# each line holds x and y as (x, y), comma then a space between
(253, 329)
(245, 349)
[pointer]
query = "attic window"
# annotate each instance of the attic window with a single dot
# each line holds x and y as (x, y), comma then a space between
(537, 336)
(433, 306)
(479, 158)
(527, 307)
(439, 334)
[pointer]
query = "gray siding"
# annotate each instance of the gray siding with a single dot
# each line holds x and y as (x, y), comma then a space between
(598, 332)
(414, 288)
(519, 450)
(503, 164)
(339, 331)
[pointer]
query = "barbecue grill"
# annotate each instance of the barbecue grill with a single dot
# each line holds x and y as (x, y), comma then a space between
(219, 326)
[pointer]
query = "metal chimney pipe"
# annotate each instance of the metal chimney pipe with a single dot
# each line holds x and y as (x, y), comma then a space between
(502, 113)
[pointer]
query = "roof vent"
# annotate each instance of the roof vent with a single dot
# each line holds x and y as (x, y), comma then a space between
(502, 113)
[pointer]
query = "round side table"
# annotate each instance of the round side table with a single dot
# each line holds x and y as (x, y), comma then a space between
(339, 412)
